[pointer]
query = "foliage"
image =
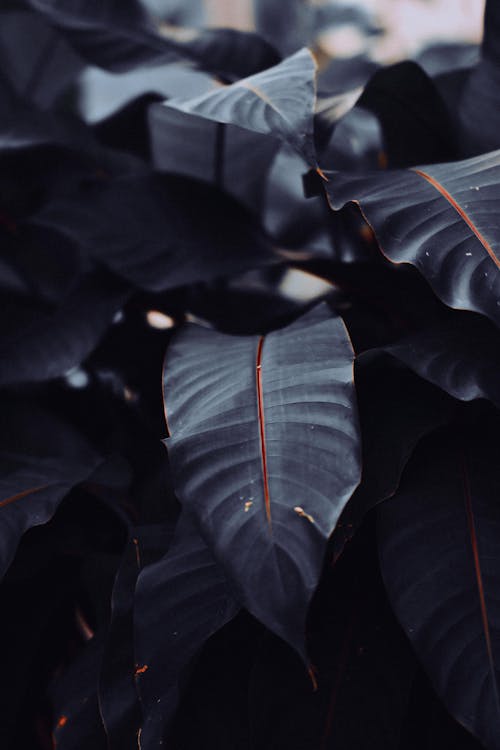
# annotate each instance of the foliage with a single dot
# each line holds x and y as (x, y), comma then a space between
(312, 562)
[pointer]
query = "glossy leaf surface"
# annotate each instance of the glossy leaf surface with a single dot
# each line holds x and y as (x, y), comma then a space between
(264, 447)
(460, 354)
(278, 102)
(441, 218)
(119, 35)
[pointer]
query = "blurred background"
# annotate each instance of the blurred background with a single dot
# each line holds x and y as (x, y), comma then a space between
(384, 30)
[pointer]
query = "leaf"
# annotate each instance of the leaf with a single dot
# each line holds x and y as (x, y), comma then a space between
(441, 218)
(78, 723)
(118, 698)
(118, 35)
(415, 124)
(181, 600)
(438, 541)
(41, 70)
(159, 233)
(459, 354)
(363, 664)
(397, 410)
(278, 102)
(39, 345)
(41, 459)
(264, 448)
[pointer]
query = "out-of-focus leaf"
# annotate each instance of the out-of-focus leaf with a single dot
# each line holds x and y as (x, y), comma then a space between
(438, 541)
(119, 35)
(118, 698)
(415, 124)
(38, 64)
(78, 723)
(363, 663)
(160, 232)
(460, 354)
(181, 600)
(38, 344)
(478, 114)
(102, 93)
(397, 409)
(441, 218)
(264, 448)
(41, 459)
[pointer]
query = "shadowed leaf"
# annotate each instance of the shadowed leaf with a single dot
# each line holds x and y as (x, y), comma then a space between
(119, 35)
(41, 460)
(181, 600)
(438, 540)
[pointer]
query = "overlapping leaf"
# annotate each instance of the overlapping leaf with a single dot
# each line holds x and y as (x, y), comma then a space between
(181, 600)
(118, 697)
(159, 233)
(441, 218)
(397, 410)
(41, 459)
(460, 354)
(264, 446)
(278, 102)
(38, 344)
(439, 553)
(478, 117)
(118, 35)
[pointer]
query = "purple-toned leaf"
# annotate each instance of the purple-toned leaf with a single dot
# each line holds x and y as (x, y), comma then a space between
(439, 551)
(460, 354)
(264, 448)
(118, 697)
(160, 232)
(41, 459)
(38, 64)
(397, 410)
(441, 218)
(278, 102)
(181, 600)
(119, 35)
(37, 344)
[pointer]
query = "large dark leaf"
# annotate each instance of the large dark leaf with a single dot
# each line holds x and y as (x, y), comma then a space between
(118, 35)
(160, 233)
(38, 64)
(397, 409)
(278, 102)
(264, 448)
(230, 134)
(41, 459)
(364, 667)
(415, 124)
(441, 218)
(37, 344)
(460, 354)
(181, 600)
(439, 550)
(118, 698)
